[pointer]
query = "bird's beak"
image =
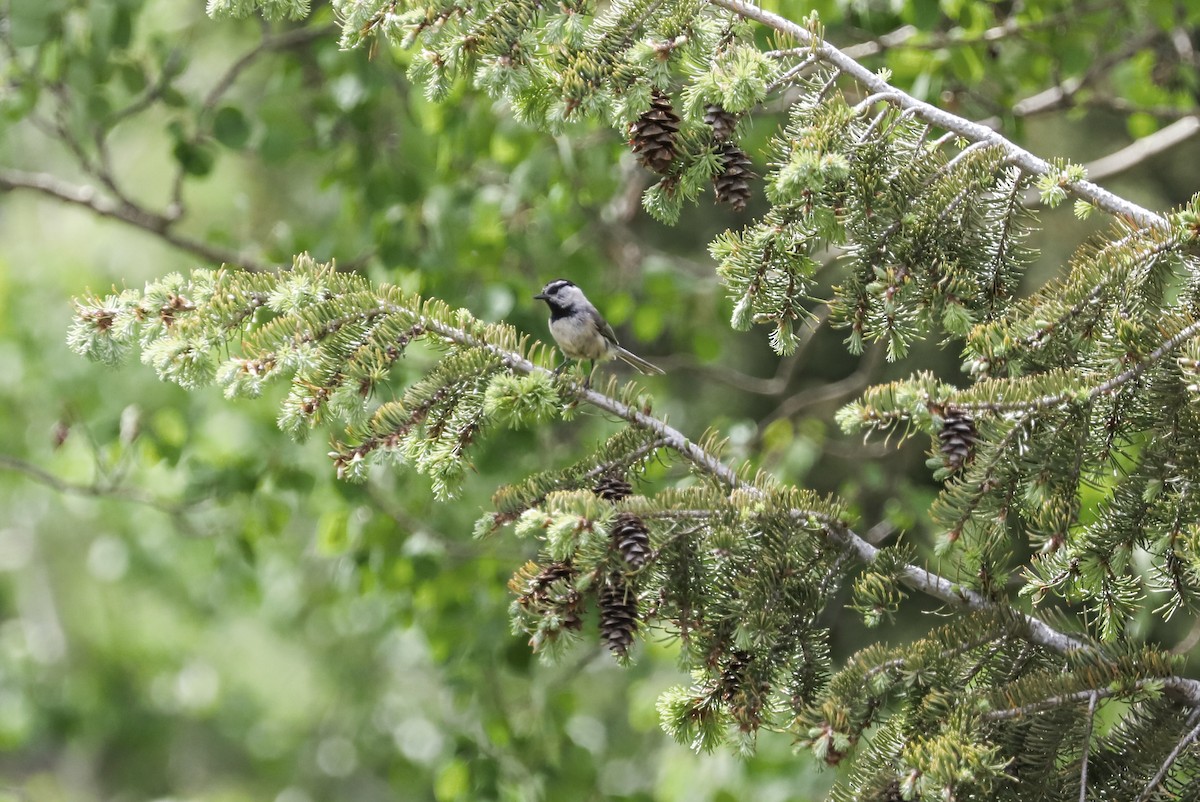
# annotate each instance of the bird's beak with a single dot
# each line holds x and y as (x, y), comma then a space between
(541, 296)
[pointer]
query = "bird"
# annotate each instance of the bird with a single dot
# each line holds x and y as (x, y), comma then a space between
(581, 332)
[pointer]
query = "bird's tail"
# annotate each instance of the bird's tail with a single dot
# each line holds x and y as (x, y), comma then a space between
(630, 358)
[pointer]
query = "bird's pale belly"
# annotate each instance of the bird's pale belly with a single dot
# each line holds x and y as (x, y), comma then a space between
(579, 340)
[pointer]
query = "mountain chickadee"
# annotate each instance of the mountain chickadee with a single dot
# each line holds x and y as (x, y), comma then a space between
(581, 332)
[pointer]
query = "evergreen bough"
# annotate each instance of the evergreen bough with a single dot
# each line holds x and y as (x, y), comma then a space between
(1090, 382)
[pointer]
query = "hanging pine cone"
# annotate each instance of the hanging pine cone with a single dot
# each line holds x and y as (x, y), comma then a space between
(540, 585)
(957, 436)
(732, 184)
(652, 136)
(743, 694)
(612, 487)
(732, 675)
(630, 537)
(618, 615)
(544, 595)
(723, 122)
(891, 793)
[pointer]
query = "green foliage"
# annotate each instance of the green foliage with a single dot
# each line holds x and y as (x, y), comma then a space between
(934, 243)
(337, 339)
(1064, 456)
(270, 9)
(521, 400)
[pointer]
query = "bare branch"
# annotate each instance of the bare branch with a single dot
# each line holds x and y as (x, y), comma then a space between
(118, 204)
(777, 384)
(830, 391)
(293, 38)
(1135, 153)
(93, 490)
(1087, 746)
(1063, 95)
(887, 41)
(125, 211)
(1056, 97)
(1147, 147)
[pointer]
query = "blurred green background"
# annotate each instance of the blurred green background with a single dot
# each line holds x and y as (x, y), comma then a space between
(193, 607)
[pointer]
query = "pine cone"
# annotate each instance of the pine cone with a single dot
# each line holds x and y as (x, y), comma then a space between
(630, 537)
(612, 487)
(732, 675)
(549, 575)
(569, 611)
(538, 593)
(892, 792)
(742, 693)
(618, 615)
(958, 436)
(732, 184)
(652, 136)
(723, 122)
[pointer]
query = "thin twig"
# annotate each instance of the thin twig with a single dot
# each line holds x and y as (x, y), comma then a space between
(127, 212)
(830, 391)
(1087, 745)
(773, 386)
(94, 490)
(744, 382)
(293, 38)
(149, 96)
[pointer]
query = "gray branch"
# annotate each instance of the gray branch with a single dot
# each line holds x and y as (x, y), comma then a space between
(1131, 155)
(1171, 758)
(968, 130)
(125, 211)
(850, 542)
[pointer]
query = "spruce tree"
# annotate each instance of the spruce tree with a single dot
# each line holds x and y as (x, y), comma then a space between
(1031, 686)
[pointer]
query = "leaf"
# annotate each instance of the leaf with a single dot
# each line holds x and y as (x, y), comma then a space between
(1141, 124)
(194, 157)
(32, 22)
(925, 14)
(231, 128)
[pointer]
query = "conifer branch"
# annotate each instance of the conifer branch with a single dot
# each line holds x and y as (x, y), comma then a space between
(1152, 358)
(363, 308)
(1172, 757)
(971, 131)
(926, 208)
(961, 597)
(669, 436)
(919, 579)
(1052, 702)
(1104, 388)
